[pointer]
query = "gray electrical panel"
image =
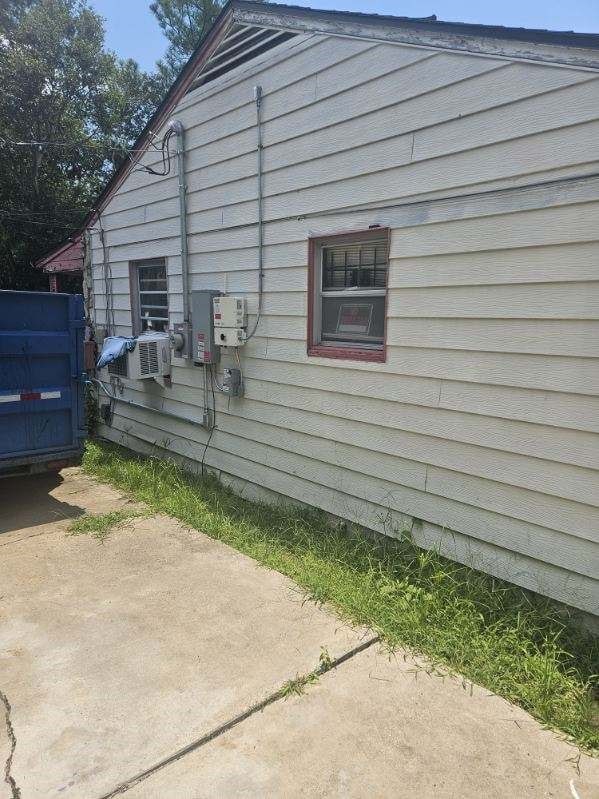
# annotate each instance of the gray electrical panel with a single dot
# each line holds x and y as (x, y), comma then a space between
(203, 349)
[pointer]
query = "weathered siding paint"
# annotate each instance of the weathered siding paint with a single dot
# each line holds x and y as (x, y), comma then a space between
(483, 423)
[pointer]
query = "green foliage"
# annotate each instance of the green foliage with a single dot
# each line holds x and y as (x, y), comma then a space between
(184, 23)
(516, 643)
(100, 525)
(59, 84)
(297, 686)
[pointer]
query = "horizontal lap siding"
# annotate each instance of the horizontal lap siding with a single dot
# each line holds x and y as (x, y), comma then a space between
(484, 417)
(357, 484)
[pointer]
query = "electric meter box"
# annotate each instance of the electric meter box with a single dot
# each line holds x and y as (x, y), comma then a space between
(203, 349)
(230, 312)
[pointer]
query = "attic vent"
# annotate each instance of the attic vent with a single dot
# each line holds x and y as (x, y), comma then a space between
(241, 44)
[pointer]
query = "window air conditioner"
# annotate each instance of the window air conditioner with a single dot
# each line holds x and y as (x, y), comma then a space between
(151, 356)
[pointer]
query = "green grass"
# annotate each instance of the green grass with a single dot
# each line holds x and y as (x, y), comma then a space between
(100, 525)
(515, 643)
(297, 686)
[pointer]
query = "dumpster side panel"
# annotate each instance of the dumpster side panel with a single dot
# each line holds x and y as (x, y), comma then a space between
(41, 367)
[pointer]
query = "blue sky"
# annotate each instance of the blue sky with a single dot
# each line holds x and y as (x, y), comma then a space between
(132, 30)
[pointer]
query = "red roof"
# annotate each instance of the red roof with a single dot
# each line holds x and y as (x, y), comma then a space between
(67, 258)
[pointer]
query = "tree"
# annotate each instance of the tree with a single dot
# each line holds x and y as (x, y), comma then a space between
(84, 106)
(184, 23)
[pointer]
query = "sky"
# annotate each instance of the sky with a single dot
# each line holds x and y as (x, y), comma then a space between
(133, 32)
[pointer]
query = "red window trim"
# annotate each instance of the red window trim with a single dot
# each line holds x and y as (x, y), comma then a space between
(349, 353)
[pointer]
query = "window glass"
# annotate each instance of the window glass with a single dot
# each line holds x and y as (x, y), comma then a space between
(351, 286)
(360, 266)
(360, 319)
(152, 295)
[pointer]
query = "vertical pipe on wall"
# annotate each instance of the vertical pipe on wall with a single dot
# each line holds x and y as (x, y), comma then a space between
(179, 130)
(259, 150)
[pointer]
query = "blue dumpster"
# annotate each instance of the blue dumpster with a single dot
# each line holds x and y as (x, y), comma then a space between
(42, 404)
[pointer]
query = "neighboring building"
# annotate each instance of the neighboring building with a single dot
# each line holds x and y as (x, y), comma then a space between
(428, 351)
(64, 266)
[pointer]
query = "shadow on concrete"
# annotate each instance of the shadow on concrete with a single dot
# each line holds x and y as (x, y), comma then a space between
(27, 502)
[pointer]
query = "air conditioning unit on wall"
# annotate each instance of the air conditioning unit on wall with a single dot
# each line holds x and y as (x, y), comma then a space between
(151, 356)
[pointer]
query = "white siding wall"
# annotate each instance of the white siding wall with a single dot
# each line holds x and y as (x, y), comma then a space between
(483, 424)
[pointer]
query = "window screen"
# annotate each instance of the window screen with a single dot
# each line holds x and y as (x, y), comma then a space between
(152, 294)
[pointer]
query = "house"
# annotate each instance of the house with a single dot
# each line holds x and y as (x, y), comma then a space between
(411, 209)
(64, 265)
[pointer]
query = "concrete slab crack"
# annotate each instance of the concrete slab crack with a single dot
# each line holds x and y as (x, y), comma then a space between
(12, 739)
(277, 695)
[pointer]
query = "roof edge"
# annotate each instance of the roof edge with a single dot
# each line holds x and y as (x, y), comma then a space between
(70, 242)
(561, 38)
(561, 47)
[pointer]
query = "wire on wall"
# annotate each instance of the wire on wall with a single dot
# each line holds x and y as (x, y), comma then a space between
(210, 368)
(166, 157)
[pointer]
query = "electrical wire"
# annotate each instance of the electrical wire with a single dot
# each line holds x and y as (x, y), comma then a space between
(74, 144)
(166, 157)
(125, 151)
(210, 368)
(22, 219)
(213, 404)
(28, 212)
(215, 382)
(110, 395)
(207, 444)
(240, 367)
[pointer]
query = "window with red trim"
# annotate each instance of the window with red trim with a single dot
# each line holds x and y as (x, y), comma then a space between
(348, 295)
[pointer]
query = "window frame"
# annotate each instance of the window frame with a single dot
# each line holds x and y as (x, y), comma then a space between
(134, 291)
(350, 351)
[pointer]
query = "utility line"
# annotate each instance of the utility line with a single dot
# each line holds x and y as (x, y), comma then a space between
(49, 223)
(74, 144)
(27, 212)
(164, 150)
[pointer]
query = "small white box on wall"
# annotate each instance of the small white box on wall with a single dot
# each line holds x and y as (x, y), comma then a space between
(230, 320)
(230, 311)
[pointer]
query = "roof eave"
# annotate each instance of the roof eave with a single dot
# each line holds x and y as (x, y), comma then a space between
(571, 49)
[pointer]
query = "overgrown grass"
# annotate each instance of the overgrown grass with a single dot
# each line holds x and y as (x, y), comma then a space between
(100, 525)
(514, 642)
